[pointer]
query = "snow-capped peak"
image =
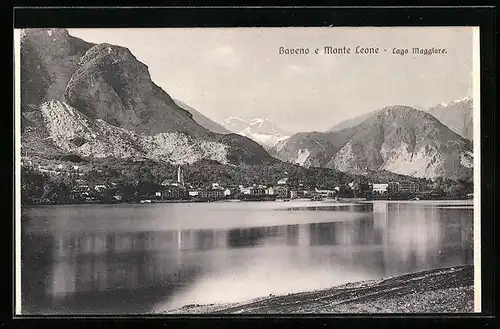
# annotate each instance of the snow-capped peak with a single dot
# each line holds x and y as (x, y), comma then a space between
(229, 119)
(466, 98)
(260, 130)
(257, 121)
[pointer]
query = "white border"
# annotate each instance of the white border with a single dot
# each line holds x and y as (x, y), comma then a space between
(17, 174)
(476, 112)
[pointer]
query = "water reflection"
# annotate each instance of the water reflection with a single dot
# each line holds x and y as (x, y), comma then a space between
(367, 207)
(100, 265)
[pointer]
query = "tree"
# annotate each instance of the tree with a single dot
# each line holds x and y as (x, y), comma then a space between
(31, 184)
(345, 191)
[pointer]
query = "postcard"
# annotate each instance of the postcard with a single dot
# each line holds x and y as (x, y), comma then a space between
(324, 170)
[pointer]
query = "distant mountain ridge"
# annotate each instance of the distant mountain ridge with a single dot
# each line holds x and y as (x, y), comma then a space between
(98, 100)
(350, 122)
(398, 139)
(260, 130)
(457, 115)
(81, 90)
(203, 120)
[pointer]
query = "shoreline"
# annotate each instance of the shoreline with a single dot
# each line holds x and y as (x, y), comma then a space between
(443, 290)
(279, 201)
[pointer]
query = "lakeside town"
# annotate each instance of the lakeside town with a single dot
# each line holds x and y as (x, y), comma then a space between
(176, 189)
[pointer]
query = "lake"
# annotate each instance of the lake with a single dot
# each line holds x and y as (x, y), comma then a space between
(148, 258)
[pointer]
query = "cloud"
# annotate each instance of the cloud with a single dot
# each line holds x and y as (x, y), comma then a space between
(224, 56)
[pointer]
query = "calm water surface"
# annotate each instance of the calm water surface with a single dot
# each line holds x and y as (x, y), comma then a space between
(81, 259)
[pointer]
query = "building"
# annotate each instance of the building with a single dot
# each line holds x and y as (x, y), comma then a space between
(282, 191)
(257, 190)
(253, 190)
(194, 193)
(170, 182)
(324, 193)
(408, 187)
(283, 181)
(270, 190)
(75, 172)
(174, 189)
(217, 186)
(174, 193)
(180, 176)
(25, 161)
(302, 193)
(211, 194)
(81, 191)
(245, 190)
(380, 188)
(100, 188)
(49, 170)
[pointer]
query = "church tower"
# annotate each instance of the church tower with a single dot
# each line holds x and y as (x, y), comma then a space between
(180, 176)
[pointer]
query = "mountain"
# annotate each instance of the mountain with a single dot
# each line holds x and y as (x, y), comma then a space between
(73, 132)
(457, 115)
(260, 130)
(398, 139)
(202, 120)
(350, 122)
(98, 100)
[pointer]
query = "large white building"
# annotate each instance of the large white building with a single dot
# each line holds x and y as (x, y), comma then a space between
(380, 188)
(325, 193)
(283, 181)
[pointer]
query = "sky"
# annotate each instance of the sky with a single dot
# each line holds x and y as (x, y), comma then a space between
(239, 72)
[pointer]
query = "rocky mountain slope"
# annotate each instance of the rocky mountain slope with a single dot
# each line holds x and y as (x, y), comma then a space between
(398, 139)
(49, 57)
(260, 130)
(73, 132)
(99, 100)
(457, 115)
(202, 120)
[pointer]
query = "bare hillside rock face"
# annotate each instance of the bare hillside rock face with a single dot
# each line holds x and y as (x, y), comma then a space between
(111, 84)
(456, 115)
(72, 89)
(49, 57)
(73, 132)
(398, 139)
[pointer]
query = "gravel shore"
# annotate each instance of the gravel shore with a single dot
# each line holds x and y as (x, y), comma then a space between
(446, 290)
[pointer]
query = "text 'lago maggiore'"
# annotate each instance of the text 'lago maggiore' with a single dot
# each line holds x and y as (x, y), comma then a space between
(361, 50)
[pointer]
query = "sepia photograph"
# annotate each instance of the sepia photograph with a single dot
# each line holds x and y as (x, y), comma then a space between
(319, 170)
